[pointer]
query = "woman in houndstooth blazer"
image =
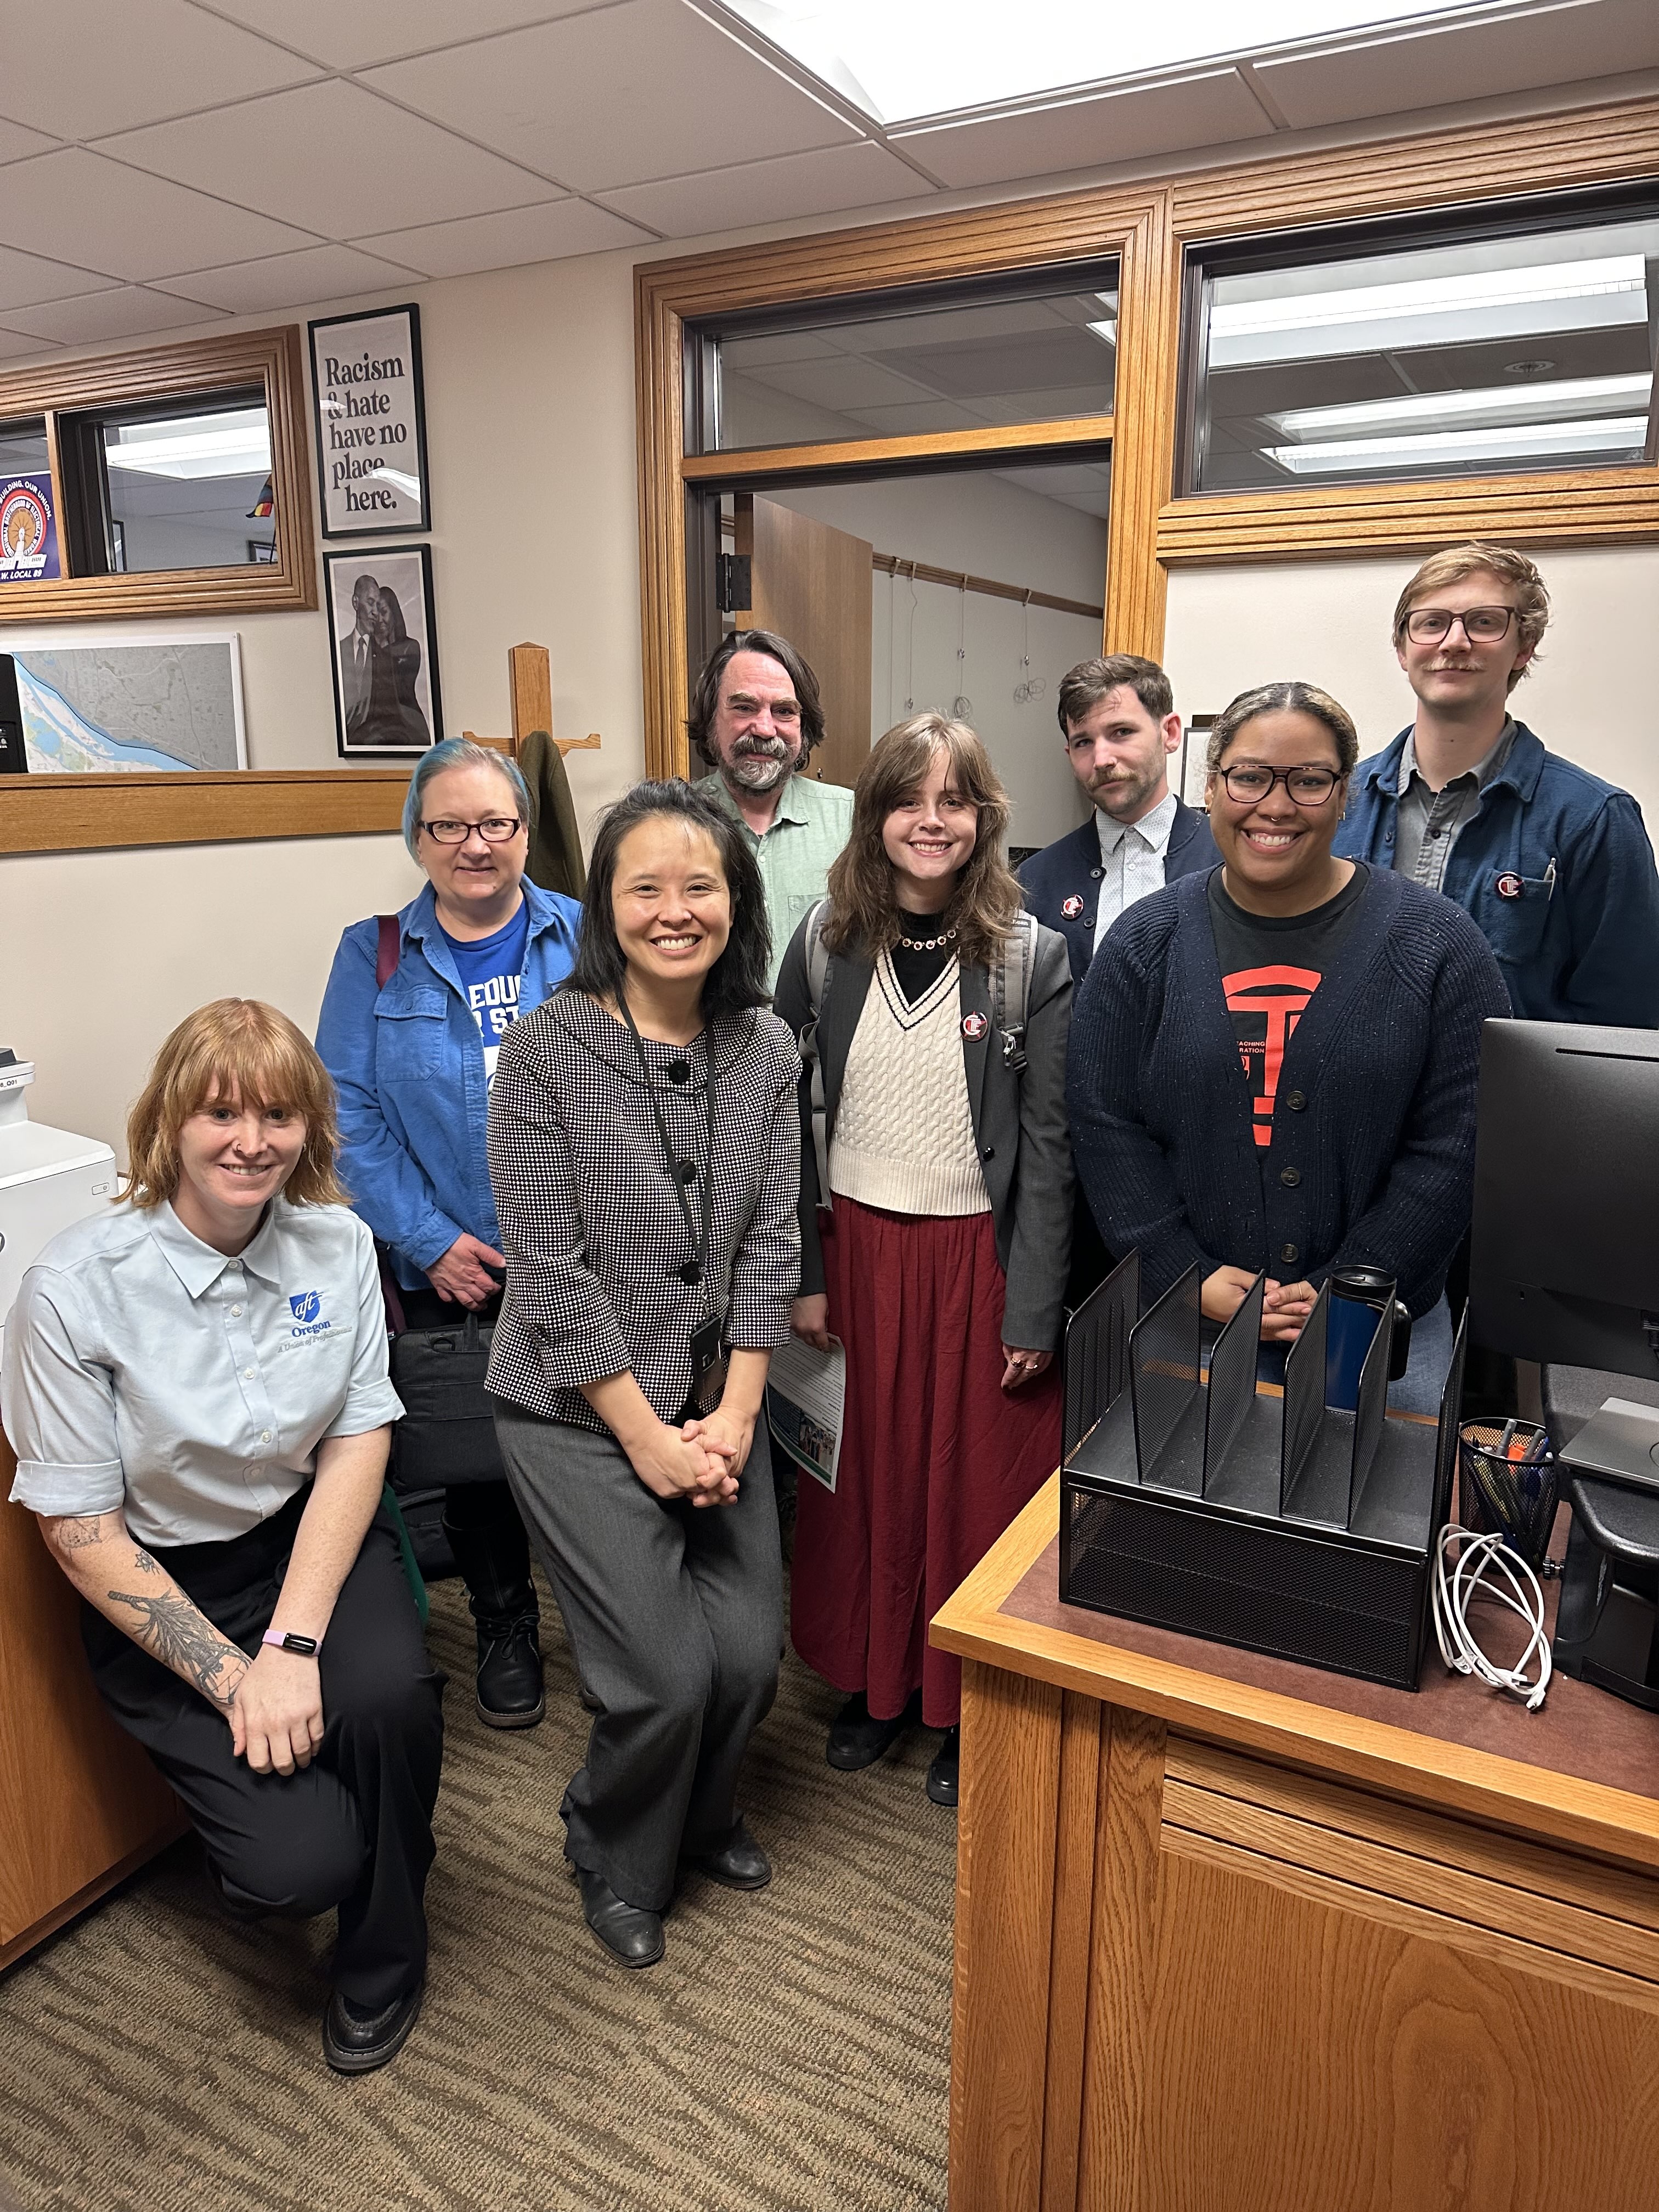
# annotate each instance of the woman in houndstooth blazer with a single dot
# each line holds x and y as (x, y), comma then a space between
(644, 1151)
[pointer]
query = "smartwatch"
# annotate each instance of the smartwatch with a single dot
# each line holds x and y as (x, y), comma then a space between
(307, 1647)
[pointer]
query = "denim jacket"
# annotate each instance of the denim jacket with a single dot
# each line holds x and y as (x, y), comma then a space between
(408, 1064)
(1555, 867)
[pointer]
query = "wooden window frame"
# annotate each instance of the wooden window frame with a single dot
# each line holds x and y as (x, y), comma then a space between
(1128, 227)
(272, 359)
(1148, 226)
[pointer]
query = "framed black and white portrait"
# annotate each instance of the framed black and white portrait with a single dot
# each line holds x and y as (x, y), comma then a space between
(383, 639)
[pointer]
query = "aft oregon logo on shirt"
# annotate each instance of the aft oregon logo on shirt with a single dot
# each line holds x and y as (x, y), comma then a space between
(306, 1306)
(1266, 1005)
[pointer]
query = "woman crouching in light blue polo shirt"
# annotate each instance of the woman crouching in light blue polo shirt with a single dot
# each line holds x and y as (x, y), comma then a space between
(196, 1389)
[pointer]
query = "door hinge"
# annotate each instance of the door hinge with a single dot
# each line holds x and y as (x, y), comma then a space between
(734, 589)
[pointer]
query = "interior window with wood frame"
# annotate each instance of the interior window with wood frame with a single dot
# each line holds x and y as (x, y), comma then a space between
(174, 480)
(943, 358)
(1518, 338)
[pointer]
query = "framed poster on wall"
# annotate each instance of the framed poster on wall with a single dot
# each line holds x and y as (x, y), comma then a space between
(383, 646)
(369, 407)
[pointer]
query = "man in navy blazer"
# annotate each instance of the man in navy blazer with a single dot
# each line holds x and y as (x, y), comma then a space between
(1118, 719)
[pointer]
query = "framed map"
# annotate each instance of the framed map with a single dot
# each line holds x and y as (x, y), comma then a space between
(95, 709)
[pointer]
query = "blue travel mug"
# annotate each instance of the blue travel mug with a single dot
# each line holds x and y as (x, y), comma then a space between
(1360, 1296)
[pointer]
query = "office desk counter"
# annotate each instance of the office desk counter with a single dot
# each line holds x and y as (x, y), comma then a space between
(80, 1806)
(1239, 1936)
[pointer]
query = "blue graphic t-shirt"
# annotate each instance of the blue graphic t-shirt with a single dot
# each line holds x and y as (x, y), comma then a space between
(491, 970)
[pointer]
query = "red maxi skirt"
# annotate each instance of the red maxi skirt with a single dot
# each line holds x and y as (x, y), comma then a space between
(936, 1457)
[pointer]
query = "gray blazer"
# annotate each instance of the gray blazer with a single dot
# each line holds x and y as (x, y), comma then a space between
(1019, 1122)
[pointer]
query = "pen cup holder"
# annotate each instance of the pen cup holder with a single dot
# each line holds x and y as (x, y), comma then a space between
(1503, 1493)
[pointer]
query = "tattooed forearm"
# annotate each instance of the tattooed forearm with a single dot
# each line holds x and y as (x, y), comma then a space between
(172, 1629)
(76, 1535)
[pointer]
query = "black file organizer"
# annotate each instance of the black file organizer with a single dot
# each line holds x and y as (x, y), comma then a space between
(1282, 1526)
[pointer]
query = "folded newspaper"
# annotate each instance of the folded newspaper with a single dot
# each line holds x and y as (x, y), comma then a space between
(805, 1402)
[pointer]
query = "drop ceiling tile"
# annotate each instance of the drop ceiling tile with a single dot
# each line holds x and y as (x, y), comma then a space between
(1213, 110)
(118, 314)
(550, 232)
(354, 33)
(16, 141)
(330, 157)
(288, 280)
(617, 96)
(81, 67)
(26, 280)
(14, 343)
(75, 206)
(1431, 68)
(778, 190)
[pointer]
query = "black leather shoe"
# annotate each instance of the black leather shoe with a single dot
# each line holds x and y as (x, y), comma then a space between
(944, 1774)
(632, 1936)
(739, 1863)
(509, 1692)
(354, 2042)
(857, 1739)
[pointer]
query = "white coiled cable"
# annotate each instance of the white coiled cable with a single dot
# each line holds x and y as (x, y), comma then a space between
(1464, 1566)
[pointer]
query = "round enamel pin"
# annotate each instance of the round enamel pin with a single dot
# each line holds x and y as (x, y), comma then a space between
(1072, 907)
(974, 1027)
(1509, 885)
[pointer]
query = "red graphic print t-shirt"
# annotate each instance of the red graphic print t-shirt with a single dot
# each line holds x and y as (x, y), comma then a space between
(1271, 966)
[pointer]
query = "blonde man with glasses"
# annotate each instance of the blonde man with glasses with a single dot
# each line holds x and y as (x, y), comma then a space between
(1553, 863)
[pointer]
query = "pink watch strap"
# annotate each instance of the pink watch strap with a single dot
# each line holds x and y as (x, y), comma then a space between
(284, 1640)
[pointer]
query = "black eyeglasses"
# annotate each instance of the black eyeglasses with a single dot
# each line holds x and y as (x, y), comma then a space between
(494, 829)
(1481, 625)
(1253, 780)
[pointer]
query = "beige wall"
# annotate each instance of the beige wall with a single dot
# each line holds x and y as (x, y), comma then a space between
(1592, 696)
(104, 951)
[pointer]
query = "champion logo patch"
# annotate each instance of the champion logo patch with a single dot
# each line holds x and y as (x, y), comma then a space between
(974, 1027)
(1509, 885)
(1072, 907)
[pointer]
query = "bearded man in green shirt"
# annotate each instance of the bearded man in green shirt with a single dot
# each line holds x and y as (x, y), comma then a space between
(756, 717)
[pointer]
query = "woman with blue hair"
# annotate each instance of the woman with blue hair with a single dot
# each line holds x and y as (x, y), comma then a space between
(412, 1019)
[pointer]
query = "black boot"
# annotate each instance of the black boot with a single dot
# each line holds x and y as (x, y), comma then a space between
(502, 1601)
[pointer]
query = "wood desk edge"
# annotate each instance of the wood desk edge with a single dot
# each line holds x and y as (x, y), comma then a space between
(1505, 1792)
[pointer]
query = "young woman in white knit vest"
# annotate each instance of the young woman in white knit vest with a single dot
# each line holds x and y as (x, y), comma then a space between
(937, 1254)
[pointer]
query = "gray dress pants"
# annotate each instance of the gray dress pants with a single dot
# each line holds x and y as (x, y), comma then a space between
(675, 1618)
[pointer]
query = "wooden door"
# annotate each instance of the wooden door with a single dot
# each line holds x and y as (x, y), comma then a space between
(812, 585)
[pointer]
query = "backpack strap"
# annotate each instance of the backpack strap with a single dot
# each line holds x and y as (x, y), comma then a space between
(1012, 989)
(389, 950)
(818, 986)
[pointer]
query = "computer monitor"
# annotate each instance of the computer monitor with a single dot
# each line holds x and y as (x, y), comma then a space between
(1563, 1262)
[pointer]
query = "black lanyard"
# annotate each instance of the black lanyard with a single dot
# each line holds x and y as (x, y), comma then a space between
(680, 1172)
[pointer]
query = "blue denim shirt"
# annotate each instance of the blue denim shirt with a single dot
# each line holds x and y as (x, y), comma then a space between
(408, 1063)
(1555, 867)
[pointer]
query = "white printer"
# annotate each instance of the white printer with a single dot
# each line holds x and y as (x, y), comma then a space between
(48, 1179)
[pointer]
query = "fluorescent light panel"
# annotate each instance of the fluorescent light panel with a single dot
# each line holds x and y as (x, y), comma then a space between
(1372, 303)
(1366, 456)
(192, 445)
(1536, 403)
(943, 57)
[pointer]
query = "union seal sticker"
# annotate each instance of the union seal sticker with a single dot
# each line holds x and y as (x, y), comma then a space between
(1509, 885)
(1072, 907)
(974, 1027)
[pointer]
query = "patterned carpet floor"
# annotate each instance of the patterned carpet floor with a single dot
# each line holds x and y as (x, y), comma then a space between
(792, 2051)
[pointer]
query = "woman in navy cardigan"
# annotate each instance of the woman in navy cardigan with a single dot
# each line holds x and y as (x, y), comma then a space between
(1273, 1063)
